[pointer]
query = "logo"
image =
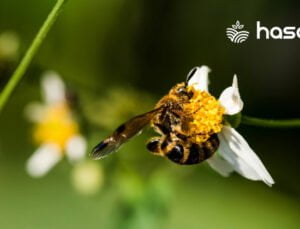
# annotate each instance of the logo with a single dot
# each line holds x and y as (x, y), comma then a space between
(276, 32)
(235, 34)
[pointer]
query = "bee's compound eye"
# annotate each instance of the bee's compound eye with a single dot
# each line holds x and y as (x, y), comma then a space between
(191, 73)
(176, 154)
(181, 90)
(153, 145)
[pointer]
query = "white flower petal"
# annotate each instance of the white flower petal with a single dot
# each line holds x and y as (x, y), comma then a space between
(231, 100)
(236, 162)
(43, 159)
(235, 149)
(53, 88)
(220, 165)
(76, 148)
(35, 112)
(198, 77)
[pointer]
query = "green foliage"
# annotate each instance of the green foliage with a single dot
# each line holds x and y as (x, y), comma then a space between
(118, 105)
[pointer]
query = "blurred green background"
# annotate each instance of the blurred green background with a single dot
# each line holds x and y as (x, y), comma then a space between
(119, 57)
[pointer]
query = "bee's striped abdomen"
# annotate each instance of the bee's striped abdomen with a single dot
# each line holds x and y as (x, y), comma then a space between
(200, 152)
(193, 155)
(182, 151)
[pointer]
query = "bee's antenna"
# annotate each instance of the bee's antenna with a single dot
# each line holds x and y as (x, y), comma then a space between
(191, 73)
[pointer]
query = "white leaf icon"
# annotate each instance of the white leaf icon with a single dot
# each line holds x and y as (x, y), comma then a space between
(236, 34)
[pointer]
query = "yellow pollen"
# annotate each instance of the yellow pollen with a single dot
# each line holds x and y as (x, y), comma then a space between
(206, 115)
(57, 126)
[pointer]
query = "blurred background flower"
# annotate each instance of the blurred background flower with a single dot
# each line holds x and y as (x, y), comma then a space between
(87, 177)
(9, 46)
(56, 131)
(9, 53)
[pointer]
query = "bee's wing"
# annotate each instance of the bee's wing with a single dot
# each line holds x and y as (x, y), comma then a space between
(122, 134)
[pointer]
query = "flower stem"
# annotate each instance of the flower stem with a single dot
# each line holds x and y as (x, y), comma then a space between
(31, 51)
(286, 123)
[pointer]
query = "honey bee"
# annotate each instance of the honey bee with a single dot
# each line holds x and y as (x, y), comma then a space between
(171, 121)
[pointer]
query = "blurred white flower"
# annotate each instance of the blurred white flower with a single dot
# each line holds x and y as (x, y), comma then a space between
(87, 177)
(56, 131)
(9, 45)
(234, 152)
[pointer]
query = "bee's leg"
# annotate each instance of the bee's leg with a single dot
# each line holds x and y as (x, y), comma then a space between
(160, 145)
(154, 144)
(163, 125)
(166, 141)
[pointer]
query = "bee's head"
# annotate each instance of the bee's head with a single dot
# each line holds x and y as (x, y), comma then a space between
(181, 91)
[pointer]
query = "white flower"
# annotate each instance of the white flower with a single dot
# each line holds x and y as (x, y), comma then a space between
(56, 131)
(234, 153)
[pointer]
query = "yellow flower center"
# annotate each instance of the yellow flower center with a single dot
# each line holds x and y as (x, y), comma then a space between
(206, 115)
(57, 126)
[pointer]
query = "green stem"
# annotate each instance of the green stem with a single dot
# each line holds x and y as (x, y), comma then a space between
(288, 123)
(31, 51)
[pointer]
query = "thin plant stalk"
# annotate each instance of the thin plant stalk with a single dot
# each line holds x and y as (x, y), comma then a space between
(288, 123)
(31, 51)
